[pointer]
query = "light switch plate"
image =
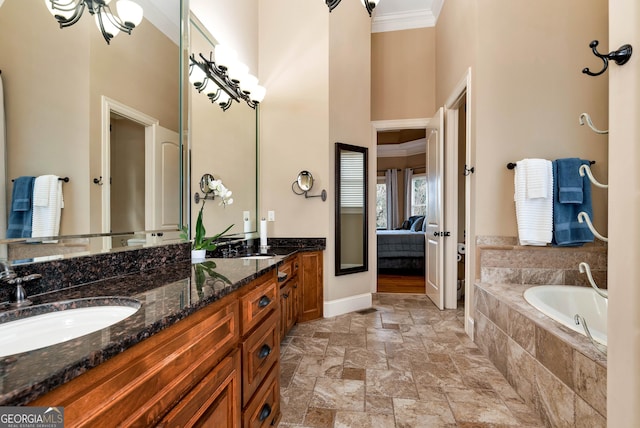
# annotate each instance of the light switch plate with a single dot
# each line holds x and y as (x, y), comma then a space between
(271, 216)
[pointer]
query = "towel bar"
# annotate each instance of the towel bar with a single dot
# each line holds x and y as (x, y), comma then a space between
(65, 179)
(512, 165)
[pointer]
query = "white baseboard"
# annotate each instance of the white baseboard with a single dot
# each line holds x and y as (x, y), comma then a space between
(348, 304)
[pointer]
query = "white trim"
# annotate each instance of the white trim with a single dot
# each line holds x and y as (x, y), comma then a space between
(403, 21)
(392, 125)
(409, 148)
(345, 305)
(462, 88)
(451, 173)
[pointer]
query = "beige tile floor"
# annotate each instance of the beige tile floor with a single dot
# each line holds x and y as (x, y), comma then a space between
(405, 365)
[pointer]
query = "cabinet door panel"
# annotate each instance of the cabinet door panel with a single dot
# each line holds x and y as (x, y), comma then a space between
(311, 279)
(215, 402)
(257, 303)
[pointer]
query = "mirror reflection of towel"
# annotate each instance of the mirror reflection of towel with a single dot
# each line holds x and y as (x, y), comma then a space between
(47, 205)
(20, 216)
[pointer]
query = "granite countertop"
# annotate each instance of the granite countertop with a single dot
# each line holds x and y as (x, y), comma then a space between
(167, 295)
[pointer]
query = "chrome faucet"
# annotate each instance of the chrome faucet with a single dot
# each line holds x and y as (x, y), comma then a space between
(19, 296)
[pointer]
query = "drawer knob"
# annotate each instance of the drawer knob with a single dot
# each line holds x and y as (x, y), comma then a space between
(264, 301)
(264, 412)
(264, 351)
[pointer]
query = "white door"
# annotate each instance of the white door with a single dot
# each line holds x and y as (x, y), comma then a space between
(435, 215)
(163, 183)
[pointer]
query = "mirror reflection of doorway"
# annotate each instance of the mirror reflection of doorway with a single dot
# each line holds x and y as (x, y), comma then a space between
(127, 174)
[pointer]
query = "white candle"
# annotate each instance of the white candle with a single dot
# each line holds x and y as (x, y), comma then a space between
(263, 233)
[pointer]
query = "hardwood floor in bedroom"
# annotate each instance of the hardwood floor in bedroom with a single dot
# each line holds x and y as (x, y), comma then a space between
(401, 284)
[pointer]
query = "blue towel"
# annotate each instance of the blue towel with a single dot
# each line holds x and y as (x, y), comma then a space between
(567, 230)
(570, 184)
(21, 213)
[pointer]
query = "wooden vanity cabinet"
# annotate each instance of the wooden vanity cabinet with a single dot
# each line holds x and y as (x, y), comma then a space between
(188, 360)
(311, 304)
(208, 370)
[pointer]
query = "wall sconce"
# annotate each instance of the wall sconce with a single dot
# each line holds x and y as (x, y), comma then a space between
(304, 183)
(368, 4)
(68, 12)
(226, 79)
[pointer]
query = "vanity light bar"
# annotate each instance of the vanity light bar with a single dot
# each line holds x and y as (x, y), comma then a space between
(215, 82)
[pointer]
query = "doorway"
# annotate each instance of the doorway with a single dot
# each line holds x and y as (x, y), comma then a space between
(400, 187)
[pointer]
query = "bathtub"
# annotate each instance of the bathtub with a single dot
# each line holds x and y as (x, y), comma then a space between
(563, 302)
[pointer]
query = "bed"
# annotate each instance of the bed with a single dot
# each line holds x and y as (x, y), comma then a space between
(401, 251)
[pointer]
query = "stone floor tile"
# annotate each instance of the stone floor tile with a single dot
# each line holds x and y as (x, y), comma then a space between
(366, 358)
(378, 404)
(391, 383)
(414, 413)
(321, 366)
(319, 418)
(353, 373)
(479, 406)
(384, 336)
(307, 346)
(339, 394)
(363, 420)
(353, 340)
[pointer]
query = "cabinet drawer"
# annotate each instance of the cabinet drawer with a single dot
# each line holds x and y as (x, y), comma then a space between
(259, 352)
(264, 408)
(138, 386)
(214, 402)
(289, 268)
(258, 303)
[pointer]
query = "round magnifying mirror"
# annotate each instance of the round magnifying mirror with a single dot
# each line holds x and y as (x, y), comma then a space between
(305, 181)
(204, 183)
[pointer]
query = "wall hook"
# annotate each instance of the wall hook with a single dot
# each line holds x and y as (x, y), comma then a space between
(585, 116)
(621, 56)
(468, 171)
(98, 181)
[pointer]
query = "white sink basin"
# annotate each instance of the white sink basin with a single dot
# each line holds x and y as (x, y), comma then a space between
(39, 331)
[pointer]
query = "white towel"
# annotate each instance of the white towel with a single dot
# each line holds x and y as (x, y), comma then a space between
(47, 205)
(533, 182)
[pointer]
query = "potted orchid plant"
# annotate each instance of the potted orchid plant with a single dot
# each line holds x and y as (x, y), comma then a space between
(201, 244)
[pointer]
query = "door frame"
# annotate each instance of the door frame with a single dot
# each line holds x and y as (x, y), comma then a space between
(109, 106)
(452, 175)
(388, 125)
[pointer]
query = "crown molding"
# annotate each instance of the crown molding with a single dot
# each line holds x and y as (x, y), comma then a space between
(407, 20)
(409, 148)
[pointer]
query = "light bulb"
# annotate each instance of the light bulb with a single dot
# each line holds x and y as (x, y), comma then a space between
(223, 98)
(225, 56)
(258, 93)
(55, 8)
(130, 13)
(196, 75)
(238, 71)
(107, 22)
(248, 83)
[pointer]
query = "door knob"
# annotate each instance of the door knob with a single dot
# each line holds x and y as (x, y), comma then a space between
(436, 234)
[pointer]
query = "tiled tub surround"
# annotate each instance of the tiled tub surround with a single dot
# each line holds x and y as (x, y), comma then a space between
(502, 261)
(167, 293)
(554, 369)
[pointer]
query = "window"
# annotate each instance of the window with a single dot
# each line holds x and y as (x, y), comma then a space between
(381, 204)
(419, 194)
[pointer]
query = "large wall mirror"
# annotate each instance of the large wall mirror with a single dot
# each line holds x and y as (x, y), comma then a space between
(222, 143)
(105, 116)
(351, 209)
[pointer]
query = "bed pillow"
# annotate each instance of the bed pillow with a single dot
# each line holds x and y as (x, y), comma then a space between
(417, 225)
